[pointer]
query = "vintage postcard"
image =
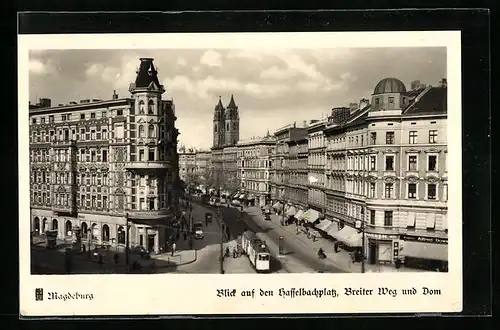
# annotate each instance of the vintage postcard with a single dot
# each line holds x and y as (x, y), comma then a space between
(269, 173)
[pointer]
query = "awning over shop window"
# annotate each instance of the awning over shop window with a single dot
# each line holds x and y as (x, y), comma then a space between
(277, 205)
(349, 236)
(311, 215)
(430, 251)
(332, 229)
(323, 225)
(299, 215)
(291, 211)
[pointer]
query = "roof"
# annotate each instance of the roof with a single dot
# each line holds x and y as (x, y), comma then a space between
(146, 74)
(232, 104)
(434, 101)
(389, 85)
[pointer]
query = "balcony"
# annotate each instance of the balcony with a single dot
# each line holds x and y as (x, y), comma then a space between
(149, 214)
(63, 209)
(148, 165)
(63, 143)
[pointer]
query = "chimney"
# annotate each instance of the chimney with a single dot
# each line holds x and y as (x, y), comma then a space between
(115, 96)
(443, 83)
(45, 103)
(353, 107)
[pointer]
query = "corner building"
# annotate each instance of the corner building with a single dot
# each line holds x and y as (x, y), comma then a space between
(387, 167)
(100, 166)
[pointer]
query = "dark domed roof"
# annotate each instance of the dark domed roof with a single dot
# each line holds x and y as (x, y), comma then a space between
(390, 85)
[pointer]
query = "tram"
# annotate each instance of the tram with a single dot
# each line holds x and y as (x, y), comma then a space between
(257, 251)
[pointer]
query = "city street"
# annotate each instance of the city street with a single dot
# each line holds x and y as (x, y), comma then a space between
(298, 258)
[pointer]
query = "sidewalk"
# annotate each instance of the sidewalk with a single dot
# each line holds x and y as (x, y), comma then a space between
(182, 256)
(341, 259)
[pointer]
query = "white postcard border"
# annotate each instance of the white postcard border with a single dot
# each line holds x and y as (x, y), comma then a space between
(187, 294)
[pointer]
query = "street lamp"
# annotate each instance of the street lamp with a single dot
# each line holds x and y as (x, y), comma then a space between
(360, 226)
(127, 242)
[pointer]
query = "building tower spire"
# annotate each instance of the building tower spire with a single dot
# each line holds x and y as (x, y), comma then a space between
(232, 118)
(218, 124)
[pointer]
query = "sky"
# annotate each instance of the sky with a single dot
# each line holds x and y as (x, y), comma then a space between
(271, 88)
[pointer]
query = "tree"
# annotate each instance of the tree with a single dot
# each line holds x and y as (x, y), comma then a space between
(230, 181)
(207, 178)
(193, 180)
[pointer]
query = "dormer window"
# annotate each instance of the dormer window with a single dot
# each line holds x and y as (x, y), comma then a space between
(391, 102)
(141, 107)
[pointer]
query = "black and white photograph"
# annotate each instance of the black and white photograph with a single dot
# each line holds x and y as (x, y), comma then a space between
(230, 160)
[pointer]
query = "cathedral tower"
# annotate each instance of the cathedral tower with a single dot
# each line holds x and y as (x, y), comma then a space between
(232, 124)
(218, 130)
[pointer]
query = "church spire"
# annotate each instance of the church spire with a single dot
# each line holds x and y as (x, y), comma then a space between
(232, 104)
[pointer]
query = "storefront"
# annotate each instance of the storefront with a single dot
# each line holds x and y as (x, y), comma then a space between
(350, 237)
(429, 253)
(382, 248)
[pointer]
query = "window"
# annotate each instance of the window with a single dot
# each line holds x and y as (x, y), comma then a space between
(373, 163)
(215, 128)
(412, 163)
(377, 103)
(104, 114)
(412, 137)
(151, 155)
(119, 112)
(151, 203)
(373, 138)
(104, 155)
(141, 131)
(391, 102)
(412, 190)
(431, 221)
(119, 132)
(92, 134)
(151, 131)
(68, 116)
(63, 117)
(372, 217)
(389, 138)
(141, 155)
(431, 191)
(51, 119)
(104, 134)
(92, 115)
(388, 218)
(33, 120)
(433, 134)
(82, 116)
(93, 156)
(151, 107)
(141, 107)
(432, 163)
(410, 220)
(389, 188)
(372, 189)
(389, 163)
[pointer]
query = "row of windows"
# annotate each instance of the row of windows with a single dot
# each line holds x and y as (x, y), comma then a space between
(68, 116)
(255, 186)
(360, 163)
(249, 174)
(256, 163)
(412, 137)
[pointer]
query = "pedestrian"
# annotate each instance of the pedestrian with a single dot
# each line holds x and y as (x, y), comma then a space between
(298, 230)
(161, 249)
(173, 248)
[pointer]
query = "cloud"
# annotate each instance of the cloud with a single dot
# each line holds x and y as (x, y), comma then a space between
(277, 73)
(211, 58)
(37, 67)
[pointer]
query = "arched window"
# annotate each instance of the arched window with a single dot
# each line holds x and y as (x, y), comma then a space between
(121, 235)
(151, 107)
(215, 129)
(84, 229)
(151, 131)
(54, 224)
(141, 131)
(68, 228)
(141, 107)
(105, 233)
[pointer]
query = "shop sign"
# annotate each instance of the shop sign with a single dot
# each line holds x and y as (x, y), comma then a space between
(381, 236)
(396, 250)
(423, 239)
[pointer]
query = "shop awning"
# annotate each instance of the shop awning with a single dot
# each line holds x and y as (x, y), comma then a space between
(277, 205)
(323, 225)
(332, 229)
(291, 211)
(422, 250)
(311, 215)
(299, 215)
(349, 236)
